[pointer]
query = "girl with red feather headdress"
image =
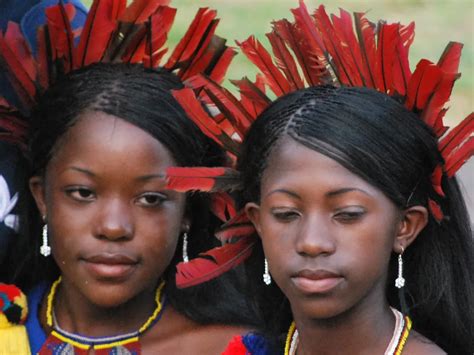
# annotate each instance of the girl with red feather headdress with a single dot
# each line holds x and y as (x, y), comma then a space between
(101, 234)
(363, 237)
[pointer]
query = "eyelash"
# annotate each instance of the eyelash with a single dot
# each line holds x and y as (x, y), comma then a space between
(285, 215)
(349, 216)
(77, 193)
(159, 199)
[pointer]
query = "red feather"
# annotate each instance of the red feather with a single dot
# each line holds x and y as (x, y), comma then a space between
(160, 26)
(98, 29)
(436, 178)
(62, 37)
(238, 226)
(223, 206)
(423, 82)
(366, 34)
(140, 10)
(191, 40)
(388, 40)
(344, 28)
(201, 118)
(457, 135)
(227, 103)
(285, 61)
(342, 62)
(253, 98)
(458, 157)
(258, 55)
(435, 210)
(18, 74)
(202, 179)
(310, 58)
(213, 263)
(208, 52)
(449, 60)
(438, 99)
(219, 70)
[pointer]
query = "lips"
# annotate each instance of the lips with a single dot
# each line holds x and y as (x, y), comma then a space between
(316, 281)
(110, 266)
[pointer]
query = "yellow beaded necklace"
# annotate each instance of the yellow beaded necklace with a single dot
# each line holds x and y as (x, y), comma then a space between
(60, 339)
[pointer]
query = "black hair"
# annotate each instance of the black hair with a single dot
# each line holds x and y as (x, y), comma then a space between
(376, 137)
(143, 98)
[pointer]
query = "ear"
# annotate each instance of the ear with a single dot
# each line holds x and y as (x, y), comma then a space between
(414, 219)
(37, 190)
(253, 213)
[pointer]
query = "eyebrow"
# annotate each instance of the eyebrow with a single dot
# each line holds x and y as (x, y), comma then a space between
(284, 191)
(140, 178)
(151, 177)
(82, 170)
(346, 190)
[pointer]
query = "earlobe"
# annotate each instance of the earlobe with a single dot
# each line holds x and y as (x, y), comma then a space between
(413, 221)
(37, 190)
(253, 213)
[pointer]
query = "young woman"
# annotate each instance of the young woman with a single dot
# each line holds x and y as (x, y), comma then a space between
(103, 234)
(337, 183)
(350, 185)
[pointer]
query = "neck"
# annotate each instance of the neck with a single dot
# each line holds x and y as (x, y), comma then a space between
(76, 314)
(361, 329)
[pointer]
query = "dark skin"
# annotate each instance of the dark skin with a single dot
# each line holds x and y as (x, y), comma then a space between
(113, 229)
(328, 236)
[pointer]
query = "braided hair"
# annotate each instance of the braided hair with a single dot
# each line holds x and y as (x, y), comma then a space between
(378, 139)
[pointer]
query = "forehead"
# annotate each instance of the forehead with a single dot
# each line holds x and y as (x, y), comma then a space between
(97, 137)
(293, 164)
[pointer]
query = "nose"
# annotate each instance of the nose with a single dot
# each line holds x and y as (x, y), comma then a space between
(315, 237)
(114, 221)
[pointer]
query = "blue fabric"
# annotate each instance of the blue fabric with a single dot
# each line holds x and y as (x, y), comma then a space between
(36, 334)
(255, 344)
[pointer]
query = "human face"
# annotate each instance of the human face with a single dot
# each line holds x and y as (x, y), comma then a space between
(112, 225)
(327, 234)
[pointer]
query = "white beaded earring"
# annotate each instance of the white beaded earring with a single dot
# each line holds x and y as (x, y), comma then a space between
(185, 247)
(400, 280)
(45, 249)
(266, 274)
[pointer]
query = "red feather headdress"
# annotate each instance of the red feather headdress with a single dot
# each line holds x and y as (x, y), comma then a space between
(112, 33)
(316, 49)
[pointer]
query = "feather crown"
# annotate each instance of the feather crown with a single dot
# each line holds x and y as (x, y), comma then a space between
(317, 49)
(112, 33)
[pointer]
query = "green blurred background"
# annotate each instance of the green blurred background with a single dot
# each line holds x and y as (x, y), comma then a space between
(437, 23)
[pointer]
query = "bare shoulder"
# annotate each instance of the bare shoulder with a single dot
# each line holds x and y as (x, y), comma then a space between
(417, 344)
(178, 334)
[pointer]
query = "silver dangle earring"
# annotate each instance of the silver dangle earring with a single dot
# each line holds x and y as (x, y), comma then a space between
(185, 247)
(45, 249)
(400, 281)
(266, 274)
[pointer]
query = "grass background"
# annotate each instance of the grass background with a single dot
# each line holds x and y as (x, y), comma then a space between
(437, 23)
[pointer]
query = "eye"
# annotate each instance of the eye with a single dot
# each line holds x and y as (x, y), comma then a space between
(82, 194)
(151, 199)
(285, 214)
(350, 215)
